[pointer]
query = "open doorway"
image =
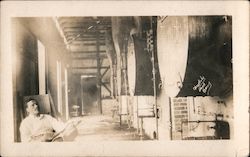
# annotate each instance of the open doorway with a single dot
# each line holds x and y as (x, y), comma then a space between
(89, 95)
(82, 95)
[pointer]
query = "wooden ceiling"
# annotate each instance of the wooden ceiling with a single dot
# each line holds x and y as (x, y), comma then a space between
(84, 30)
(85, 39)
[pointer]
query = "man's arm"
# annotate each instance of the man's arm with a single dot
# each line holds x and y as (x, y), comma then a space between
(28, 136)
(67, 131)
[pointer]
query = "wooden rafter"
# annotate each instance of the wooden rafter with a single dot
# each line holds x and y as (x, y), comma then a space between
(88, 57)
(81, 23)
(86, 44)
(89, 67)
(86, 28)
(86, 52)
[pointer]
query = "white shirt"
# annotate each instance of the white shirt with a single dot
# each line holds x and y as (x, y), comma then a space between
(33, 125)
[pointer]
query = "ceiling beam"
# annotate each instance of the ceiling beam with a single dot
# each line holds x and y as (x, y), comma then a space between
(70, 23)
(87, 58)
(83, 73)
(74, 48)
(91, 32)
(89, 52)
(85, 39)
(83, 34)
(95, 27)
(74, 18)
(90, 67)
(84, 19)
(85, 44)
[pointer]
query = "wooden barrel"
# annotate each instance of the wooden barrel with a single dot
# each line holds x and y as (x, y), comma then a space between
(209, 66)
(140, 68)
(140, 77)
(194, 55)
(131, 66)
(172, 49)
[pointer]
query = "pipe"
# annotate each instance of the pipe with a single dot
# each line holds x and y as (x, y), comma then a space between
(154, 82)
(137, 114)
(141, 129)
(170, 119)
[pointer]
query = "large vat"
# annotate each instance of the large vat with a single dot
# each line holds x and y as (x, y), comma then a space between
(195, 55)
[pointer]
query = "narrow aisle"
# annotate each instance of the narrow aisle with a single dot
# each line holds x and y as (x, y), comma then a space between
(100, 128)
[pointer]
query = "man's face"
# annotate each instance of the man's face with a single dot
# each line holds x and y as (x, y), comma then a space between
(32, 108)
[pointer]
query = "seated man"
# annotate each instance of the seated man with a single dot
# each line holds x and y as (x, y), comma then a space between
(40, 127)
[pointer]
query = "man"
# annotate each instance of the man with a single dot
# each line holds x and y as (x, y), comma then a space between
(38, 127)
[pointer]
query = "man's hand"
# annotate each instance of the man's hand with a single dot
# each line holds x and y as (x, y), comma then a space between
(43, 137)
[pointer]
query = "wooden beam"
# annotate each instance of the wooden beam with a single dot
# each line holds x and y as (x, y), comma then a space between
(106, 82)
(82, 54)
(81, 23)
(87, 58)
(83, 73)
(73, 48)
(74, 34)
(106, 87)
(85, 39)
(107, 97)
(86, 28)
(87, 44)
(83, 18)
(101, 61)
(74, 18)
(86, 52)
(87, 32)
(99, 79)
(90, 67)
(84, 36)
(106, 70)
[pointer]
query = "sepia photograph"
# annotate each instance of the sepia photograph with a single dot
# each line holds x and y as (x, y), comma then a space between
(123, 78)
(129, 79)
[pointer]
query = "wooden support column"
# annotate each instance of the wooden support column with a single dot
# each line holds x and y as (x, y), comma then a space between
(106, 70)
(99, 76)
(106, 87)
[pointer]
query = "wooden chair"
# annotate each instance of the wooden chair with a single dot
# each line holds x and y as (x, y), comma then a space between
(46, 106)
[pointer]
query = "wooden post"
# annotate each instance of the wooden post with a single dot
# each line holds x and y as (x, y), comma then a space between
(99, 77)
